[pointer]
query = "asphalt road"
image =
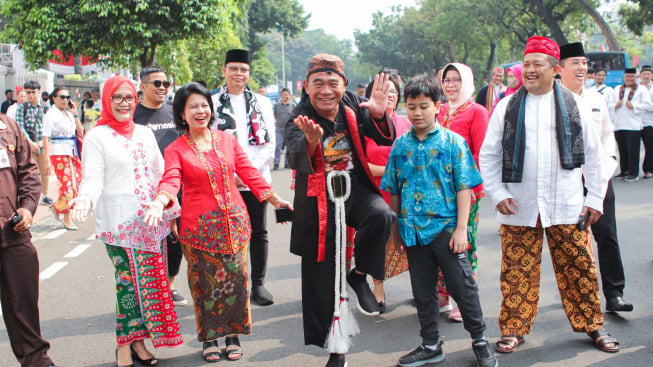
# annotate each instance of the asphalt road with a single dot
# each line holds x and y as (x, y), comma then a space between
(78, 304)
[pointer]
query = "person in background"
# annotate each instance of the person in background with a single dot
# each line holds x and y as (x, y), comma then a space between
(534, 178)
(282, 112)
(10, 101)
(360, 90)
(21, 97)
(214, 228)
(469, 119)
(572, 65)
(261, 90)
(377, 158)
(29, 117)
(488, 96)
(61, 126)
(249, 116)
(628, 102)
(45, 101)
(95, 96)
(91, 115)
(600, 86)
(121, 168)
(157, 116)
(590, 78)
(646, 74)
(513, 80)
(19, 263)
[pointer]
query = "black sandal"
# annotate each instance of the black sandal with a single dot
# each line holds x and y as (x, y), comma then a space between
(207, 356)
(231, 354)
(602, 338)
(145, 362)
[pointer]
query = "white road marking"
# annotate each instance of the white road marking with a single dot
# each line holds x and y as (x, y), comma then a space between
(77, 250)
(52, 270)
(54, 234)
(91, 238)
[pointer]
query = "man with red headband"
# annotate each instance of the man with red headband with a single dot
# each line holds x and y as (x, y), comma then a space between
(537, 150)
(489, 95)
(328, 134)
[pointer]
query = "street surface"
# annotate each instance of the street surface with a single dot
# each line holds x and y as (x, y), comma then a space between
(77, 303)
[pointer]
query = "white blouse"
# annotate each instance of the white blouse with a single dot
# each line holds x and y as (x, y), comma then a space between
(60, 127)
(118, 175)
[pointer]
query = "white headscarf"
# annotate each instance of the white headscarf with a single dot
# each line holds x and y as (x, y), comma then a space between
(466, 84)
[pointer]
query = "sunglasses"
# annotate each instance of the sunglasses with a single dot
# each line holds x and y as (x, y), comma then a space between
(159, 83)
(62, 96)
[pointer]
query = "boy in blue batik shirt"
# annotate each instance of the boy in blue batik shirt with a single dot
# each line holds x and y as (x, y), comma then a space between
(429, 175)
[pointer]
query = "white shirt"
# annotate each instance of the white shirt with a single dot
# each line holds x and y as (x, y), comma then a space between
(547, 190)
(594, 105)
(647, 114)
(117, 176)
(60, 124)
(605, 91)
(260, 155)
(625, 118)
(11, 111)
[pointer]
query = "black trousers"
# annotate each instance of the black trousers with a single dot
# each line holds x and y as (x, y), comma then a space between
(605, 233)
(647, 138)
(628, 144)
(258, 244)
(19, 295)
(368, 213)
(423, 265)
(174, 254)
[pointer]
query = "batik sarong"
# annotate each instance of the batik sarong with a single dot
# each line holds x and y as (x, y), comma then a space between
(68, 170)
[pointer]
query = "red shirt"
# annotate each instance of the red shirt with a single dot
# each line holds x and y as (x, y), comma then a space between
(213, 214)
(470, 121)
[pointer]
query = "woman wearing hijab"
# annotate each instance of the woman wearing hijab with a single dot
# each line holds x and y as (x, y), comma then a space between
(214, 228)
(60, 129)
(121, 167)
(377, 157)
(469, 119)
(513, 79)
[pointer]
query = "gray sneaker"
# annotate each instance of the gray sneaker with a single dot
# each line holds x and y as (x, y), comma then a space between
(484, 356)
(421, 356)
(45, 200)
(178, 299)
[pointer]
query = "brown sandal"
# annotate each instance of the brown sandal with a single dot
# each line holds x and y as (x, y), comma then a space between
(508, 343)
(602, 339)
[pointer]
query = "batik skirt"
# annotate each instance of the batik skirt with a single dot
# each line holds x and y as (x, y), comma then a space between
(144, 307)
(219, 287)
(68, 170)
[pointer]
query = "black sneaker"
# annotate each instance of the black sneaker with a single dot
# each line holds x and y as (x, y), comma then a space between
(621, 176)
(361, 294)
(336, 360)
(276, 167)
(421, 356)
(484, 357)
(45, 200)
(631, 178)
(178, 299)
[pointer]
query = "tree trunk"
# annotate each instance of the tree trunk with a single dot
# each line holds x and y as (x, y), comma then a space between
(490, 59)
(613, 44)
(547, 17)
(77, 65)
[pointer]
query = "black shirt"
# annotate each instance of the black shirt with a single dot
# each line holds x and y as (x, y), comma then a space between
(160, 121)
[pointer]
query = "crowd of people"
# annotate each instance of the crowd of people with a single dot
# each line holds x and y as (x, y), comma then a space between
(192, 179)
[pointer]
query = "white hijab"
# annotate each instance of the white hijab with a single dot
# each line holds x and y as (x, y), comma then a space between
(466, 84)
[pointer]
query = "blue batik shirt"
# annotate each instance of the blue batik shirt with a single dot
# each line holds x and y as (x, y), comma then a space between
(427, 174)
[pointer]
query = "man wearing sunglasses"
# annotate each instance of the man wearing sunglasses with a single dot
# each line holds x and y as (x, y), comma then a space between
(249, 116)
(157, 115)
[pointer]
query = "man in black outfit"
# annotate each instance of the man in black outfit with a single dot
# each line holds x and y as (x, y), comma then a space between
(10, 100)
(154, 113)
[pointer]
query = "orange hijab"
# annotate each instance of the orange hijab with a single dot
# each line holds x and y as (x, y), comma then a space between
(124, 128)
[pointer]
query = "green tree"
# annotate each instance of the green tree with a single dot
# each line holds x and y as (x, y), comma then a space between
(637, 15)
(283, 16)
(120, 30)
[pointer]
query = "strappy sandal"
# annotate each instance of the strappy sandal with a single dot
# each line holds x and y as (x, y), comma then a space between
(508, 343)
(602, 339)
(145, 362)
(209, 356)
(236, 353)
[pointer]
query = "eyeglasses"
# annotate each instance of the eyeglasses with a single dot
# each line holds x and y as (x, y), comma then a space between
(32, 92)
(452, 81)
(120, 99)
(235, 69)
(393, 92)
(159, 83)
(62, 96)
